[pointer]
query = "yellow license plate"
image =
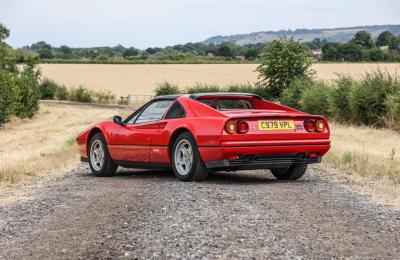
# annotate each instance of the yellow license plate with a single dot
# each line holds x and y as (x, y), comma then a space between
(276, 125)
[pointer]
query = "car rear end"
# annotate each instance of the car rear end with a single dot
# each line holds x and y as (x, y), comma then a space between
(267, 138)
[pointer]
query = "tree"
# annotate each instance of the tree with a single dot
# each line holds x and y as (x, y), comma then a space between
(387, 38)
(152, 51)
(283, 61)
(330, 51)
(28, 91)
(130, 52)
(45, 53)
(8, 94)
(364, 39)
(65, 50)
(376, 54)
(4, 32)
(19, 94)
(6, 59)
(351, 51)
(226, 50)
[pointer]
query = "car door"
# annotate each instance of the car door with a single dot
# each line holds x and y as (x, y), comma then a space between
(131, 142)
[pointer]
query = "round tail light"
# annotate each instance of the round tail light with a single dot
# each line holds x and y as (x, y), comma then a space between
(231, 127)
(309, 125)
(320, 126)
(242, 127)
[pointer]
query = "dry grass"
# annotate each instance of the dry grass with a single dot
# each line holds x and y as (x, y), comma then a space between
(368, 156)
(138, 79)
(45, 143)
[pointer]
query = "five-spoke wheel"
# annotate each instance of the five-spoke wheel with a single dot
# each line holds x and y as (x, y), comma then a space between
(183, 157)
(186, 161)
(100, 161)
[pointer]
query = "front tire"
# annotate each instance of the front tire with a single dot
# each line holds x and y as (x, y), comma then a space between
(292, 172)
(186, 161)
(100, 161)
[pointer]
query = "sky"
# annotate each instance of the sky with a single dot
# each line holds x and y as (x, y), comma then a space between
(150, 23)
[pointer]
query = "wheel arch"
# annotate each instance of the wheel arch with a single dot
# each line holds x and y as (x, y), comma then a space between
(93, 131)
(173, 137)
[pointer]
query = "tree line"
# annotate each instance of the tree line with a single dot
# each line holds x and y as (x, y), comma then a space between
(362, 47)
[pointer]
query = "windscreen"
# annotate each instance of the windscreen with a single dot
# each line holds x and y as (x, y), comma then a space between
(227, 103)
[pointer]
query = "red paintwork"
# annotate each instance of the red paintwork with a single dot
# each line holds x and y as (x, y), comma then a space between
(150, 142)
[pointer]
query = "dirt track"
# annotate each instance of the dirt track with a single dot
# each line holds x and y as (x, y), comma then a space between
(150, 214)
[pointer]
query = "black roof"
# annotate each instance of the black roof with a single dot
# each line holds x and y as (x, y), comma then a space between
(198, 95)
(168, 97)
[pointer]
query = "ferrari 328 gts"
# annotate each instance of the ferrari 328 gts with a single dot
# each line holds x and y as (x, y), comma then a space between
(195, 134)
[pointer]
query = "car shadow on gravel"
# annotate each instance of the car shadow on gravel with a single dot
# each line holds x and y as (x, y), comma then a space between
(239, 177)
(247, 178)
(250, 177)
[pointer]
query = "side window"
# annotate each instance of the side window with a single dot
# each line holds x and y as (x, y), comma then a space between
(153, 112)
(176, 111)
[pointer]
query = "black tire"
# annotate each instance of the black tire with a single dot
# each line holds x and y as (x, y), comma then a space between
(197, 171)
(108, 167)
(293, 172)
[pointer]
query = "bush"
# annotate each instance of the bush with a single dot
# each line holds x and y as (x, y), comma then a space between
(103, 97)
(291, 96)
(203, 88)
(167, 88)
(314, 99)
(339, 104)
(392, 105)
(62, 93)
(80, 94)
(283, 61)
(8, 92)
(367, 99)
(48, 89)
(28, 92)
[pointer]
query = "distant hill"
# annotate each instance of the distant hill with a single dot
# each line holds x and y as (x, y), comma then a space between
(334, 35)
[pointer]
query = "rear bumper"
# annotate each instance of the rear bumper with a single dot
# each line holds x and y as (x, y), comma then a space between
(269, 154)
(262, 161)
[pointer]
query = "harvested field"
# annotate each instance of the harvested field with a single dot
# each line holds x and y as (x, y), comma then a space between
(137, 79)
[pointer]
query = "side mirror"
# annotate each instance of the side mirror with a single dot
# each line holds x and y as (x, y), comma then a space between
(118, 120)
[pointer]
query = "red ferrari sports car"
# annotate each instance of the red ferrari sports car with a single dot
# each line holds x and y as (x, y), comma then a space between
(198, 133)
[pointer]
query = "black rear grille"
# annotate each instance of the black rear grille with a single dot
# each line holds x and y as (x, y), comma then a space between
(273, 159)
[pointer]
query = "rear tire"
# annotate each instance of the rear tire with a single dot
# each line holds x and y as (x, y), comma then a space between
(100, 161)
(292, 172)
(186, 161)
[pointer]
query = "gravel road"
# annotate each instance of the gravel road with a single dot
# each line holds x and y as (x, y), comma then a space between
(150, 214)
